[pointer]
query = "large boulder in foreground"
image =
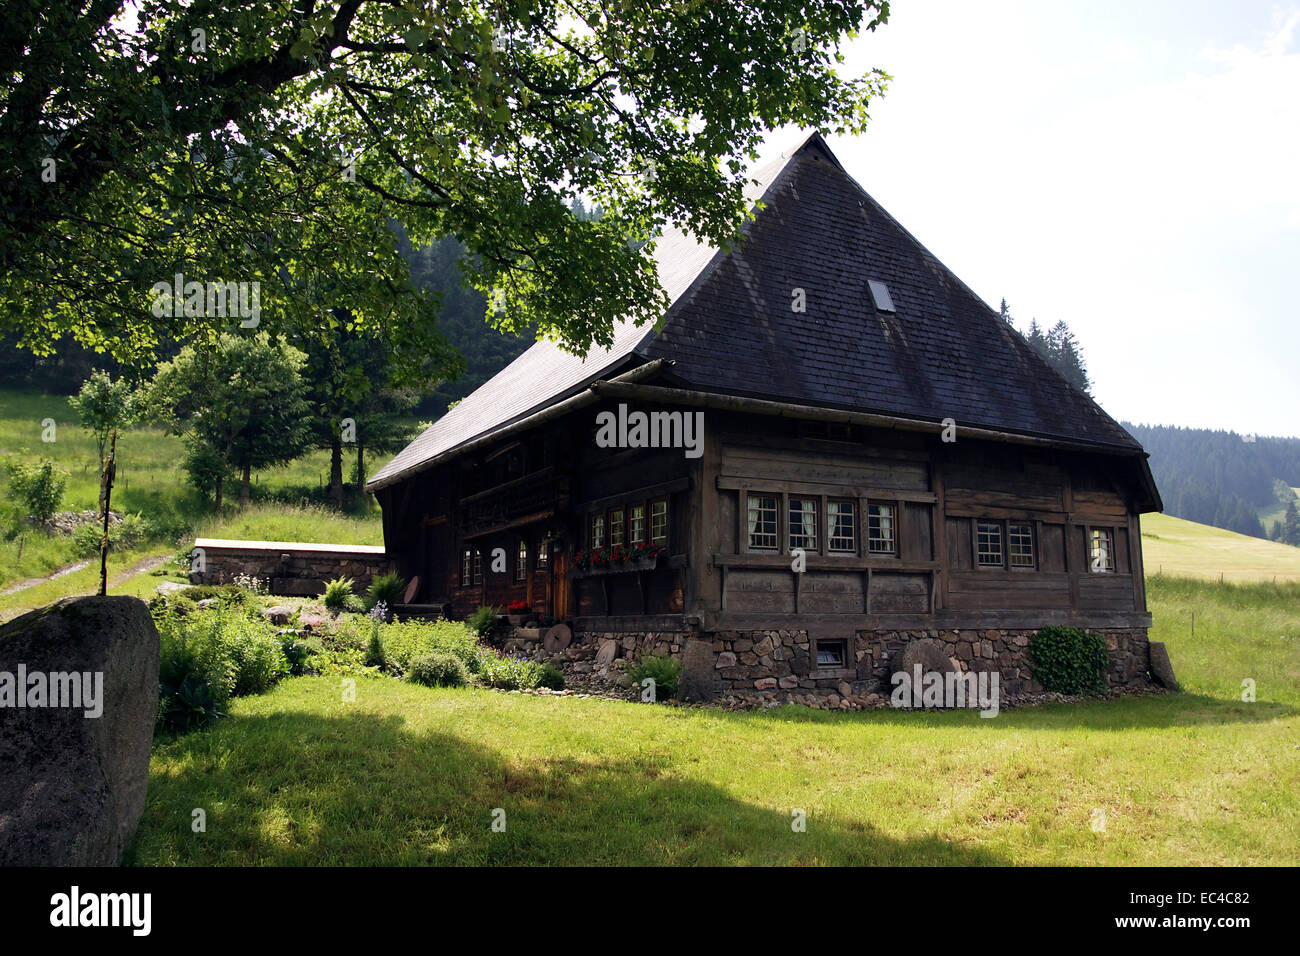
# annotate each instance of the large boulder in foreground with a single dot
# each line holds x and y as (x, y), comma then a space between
(72, 786)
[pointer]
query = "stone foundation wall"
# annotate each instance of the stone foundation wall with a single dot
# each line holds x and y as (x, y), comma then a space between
(777, 665)
(286, 567)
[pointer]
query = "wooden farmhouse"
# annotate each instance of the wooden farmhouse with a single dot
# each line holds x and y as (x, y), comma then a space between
(829, 448)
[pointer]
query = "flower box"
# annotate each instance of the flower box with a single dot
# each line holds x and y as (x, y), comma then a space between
(641, 564)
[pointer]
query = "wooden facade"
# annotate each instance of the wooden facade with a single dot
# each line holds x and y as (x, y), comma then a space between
(889, 523)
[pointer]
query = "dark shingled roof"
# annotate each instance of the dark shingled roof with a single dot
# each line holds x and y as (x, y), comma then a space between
(942, 354)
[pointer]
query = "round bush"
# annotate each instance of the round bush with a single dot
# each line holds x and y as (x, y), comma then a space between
(438, 669)
(1068, 660)
(551, 677)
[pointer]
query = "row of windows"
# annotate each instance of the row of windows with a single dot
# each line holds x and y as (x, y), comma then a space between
(1019, 550)
(804, 524)
(471, 564)
(626, 526)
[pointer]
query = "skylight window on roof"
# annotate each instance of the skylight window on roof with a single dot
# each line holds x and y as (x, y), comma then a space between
(880, 296)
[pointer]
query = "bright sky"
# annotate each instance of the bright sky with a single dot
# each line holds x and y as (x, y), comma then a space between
(1133, 169)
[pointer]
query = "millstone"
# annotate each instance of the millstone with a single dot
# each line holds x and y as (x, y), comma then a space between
(557, 638)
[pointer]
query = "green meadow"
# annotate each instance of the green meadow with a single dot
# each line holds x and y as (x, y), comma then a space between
(409, 775)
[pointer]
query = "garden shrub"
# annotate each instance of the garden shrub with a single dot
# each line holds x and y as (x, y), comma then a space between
(409, 639)
(209, 656)
(484, 620)
(388, 589)
(1068, 660)
(300, 653)
(38, 486)
(375, 656)
(551, 677)
(337, 593)
(509, 673)
(664, 670)
(438, 669)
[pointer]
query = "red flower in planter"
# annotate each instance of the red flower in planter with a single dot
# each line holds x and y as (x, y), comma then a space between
(517, 607)
(617, 555)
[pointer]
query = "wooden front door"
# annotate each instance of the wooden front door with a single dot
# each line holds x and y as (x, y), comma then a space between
(561, 588)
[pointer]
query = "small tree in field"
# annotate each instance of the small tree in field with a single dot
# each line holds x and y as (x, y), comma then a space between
(39, 486)
(239, 402)
(103, 406)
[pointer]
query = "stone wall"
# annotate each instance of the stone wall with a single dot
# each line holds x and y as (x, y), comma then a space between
(777, 666)
(288, 568)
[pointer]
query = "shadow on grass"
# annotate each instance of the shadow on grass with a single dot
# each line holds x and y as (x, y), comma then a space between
(1119, 714)
(295, 788)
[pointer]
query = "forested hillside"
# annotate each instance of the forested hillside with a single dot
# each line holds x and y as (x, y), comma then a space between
(1222, 478)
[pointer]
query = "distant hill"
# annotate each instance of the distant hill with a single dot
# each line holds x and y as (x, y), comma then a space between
(1177, 547)
(1223, 479)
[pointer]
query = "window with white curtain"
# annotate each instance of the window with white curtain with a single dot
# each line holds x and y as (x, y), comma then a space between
(803, 523)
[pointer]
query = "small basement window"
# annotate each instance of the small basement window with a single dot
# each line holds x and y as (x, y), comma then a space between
(832, 653)
(880, 296)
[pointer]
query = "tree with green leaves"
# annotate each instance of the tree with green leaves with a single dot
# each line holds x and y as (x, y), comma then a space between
(240, 402)
(190, 144)
(354, 395)
(104, 405)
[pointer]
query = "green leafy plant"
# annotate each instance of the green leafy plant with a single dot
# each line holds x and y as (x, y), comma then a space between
(337, 593)
(1068, 660)
(388, 588)
(375, 656)
(438, 669)
(551, 677)
(509, 673)
(484, 620)
(39, 487)
(664, 670)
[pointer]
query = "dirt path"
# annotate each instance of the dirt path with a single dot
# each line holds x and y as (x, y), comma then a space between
(32, 582)
(142, 568)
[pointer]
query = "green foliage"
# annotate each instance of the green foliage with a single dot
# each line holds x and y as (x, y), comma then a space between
(551, 677)
(210, 656)
(1068, 660)
(452, 132)
(38, 486)
(405, 641)
(300, 653)
(240, 402)
(509, 673)
(337, 593)
(664, 670)
(375, 656)
(484, 620)
(438, 669)
(103, 405)
(388, 588)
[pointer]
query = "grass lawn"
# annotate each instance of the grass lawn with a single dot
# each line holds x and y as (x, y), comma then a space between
(1181, 547)
(408, 775)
